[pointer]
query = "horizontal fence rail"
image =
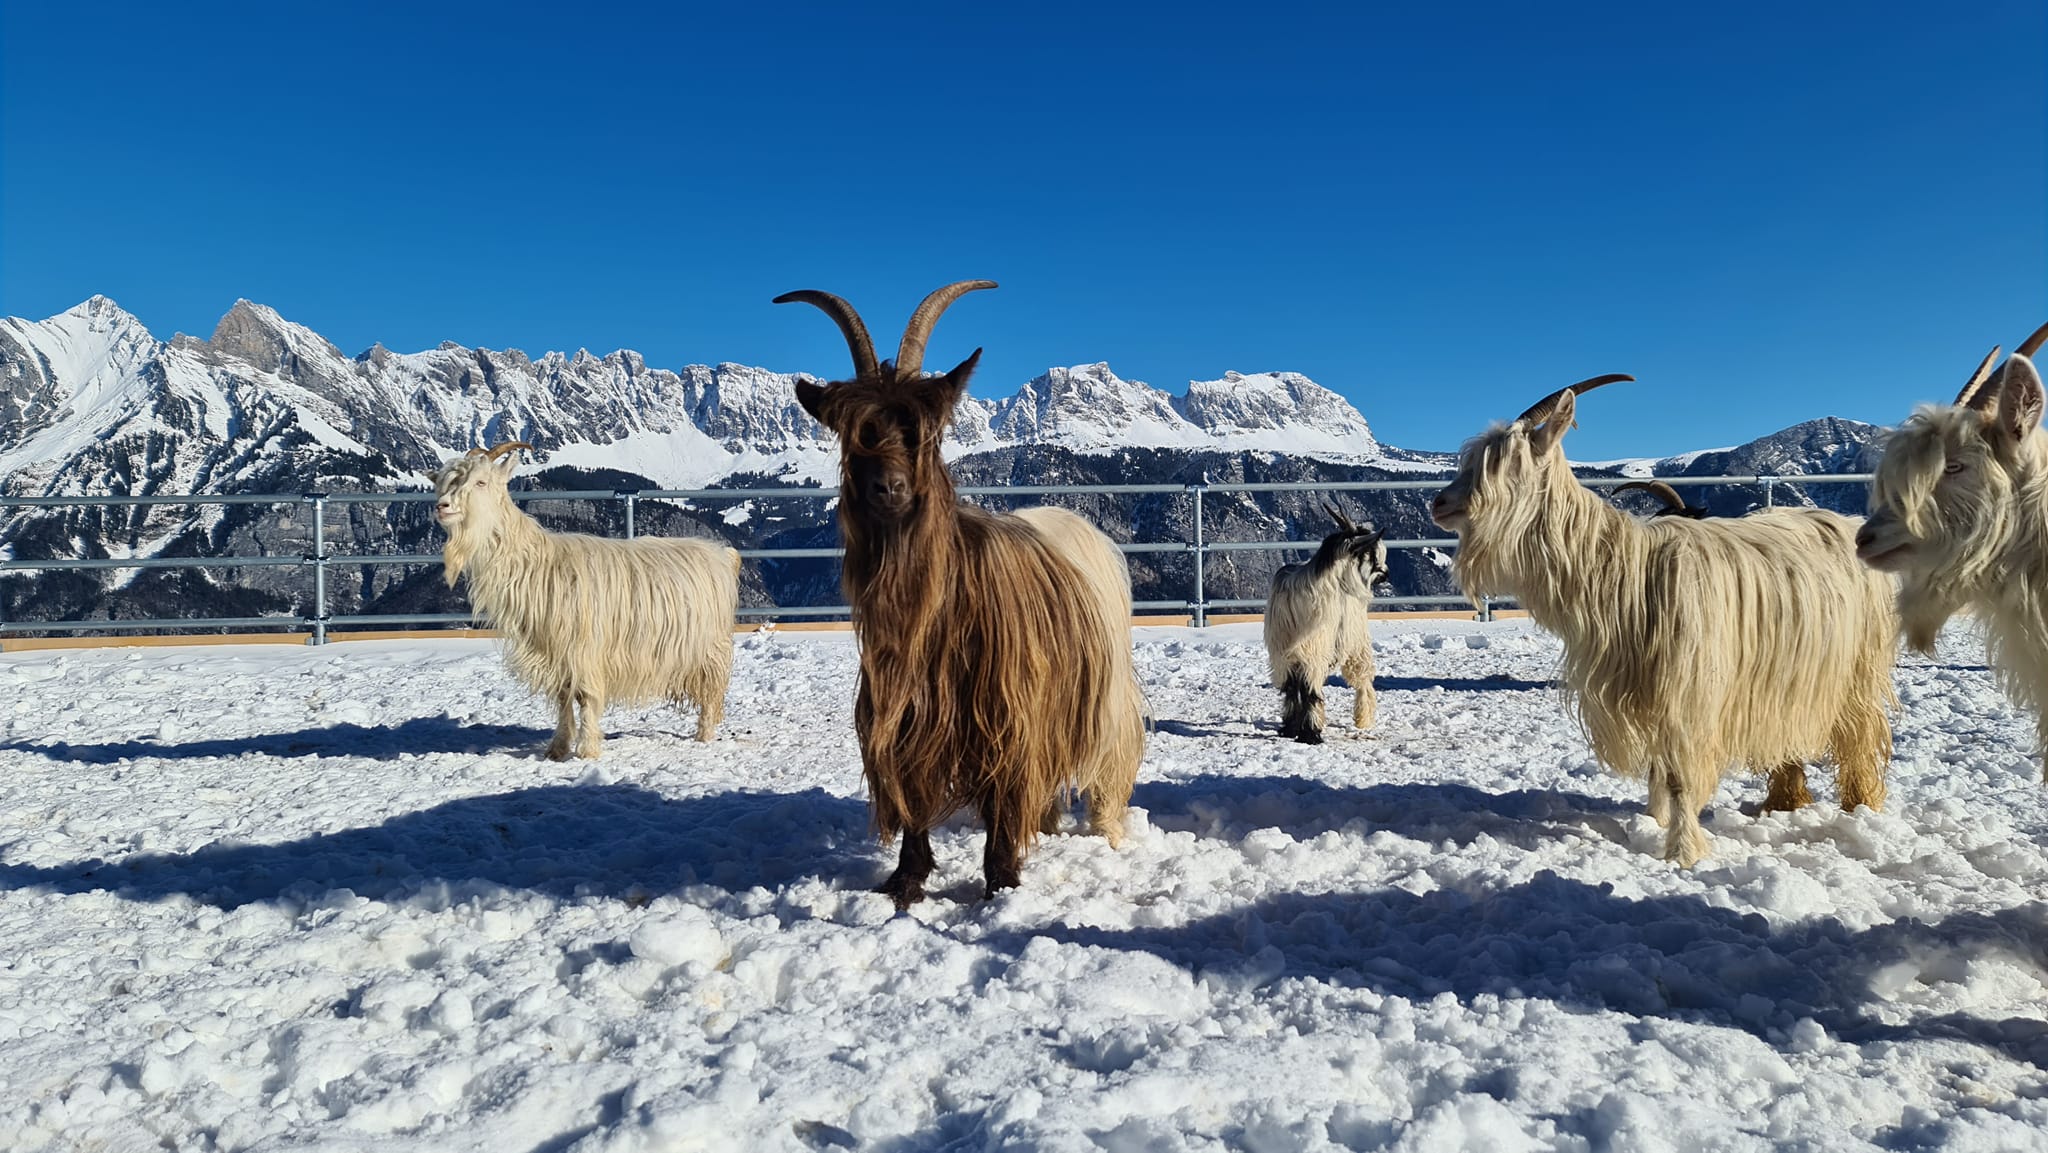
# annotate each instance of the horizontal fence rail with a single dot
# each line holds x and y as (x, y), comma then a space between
(318, 622)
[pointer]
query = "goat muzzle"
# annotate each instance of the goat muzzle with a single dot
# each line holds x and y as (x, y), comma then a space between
(1881, 549)
(1448, 511)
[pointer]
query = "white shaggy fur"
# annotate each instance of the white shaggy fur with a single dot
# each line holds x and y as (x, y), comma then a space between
(1959, 511)
(1108, 576)
(586, 619)
(1316, 622)
(1691, 646)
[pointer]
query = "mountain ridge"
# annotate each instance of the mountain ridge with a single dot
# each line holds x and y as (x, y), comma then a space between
(92, 403)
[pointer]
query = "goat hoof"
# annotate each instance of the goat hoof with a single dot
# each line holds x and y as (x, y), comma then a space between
(904, 893)
(557, 753)
(1310, 736)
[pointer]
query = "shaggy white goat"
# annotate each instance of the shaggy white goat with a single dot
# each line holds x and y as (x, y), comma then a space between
(1316, 622)
(1959, 511)
(1691, 646)
(587, 619)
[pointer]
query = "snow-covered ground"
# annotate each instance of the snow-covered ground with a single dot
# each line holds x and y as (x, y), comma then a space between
(273, 897)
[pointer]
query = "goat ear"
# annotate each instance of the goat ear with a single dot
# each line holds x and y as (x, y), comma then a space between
(1546, 435)
(2019, 398)
(943, 392)
(812, 396)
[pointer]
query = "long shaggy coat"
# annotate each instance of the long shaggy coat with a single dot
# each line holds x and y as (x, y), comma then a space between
(995, 652)
(1691, 646)
(587, 620)
(1959, 511)
(996, 674)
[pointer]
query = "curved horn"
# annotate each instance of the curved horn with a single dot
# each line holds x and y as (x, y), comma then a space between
(1541, 410)
(2033, 343)
(508, 446)
(1657, 488)
(1343, 522)
(1973, 395)
(473, 452)
(910, 353)
(842, 314)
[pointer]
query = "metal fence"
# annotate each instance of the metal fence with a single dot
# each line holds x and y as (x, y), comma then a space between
(317, 623)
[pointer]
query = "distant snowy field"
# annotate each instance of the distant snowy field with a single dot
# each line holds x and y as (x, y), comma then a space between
(274, 897)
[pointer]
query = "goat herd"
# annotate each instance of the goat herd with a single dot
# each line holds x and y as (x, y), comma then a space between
(995, 658)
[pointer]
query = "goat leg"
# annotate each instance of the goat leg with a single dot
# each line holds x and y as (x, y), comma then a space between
(1000, 865)
(1788, 788)
(914, 863)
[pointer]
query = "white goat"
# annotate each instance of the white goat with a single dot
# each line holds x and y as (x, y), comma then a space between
(1691, 646)
(1959, 511)
(586, 619)
(1316, 622)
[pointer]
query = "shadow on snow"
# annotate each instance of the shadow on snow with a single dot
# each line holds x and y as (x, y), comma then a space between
(420, 735)
(1574, 943)
(1302, 807)
(1494, 683)
(562, 840)
(1584, 947)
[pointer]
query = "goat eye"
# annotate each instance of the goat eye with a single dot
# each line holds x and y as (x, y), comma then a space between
(1951, 468)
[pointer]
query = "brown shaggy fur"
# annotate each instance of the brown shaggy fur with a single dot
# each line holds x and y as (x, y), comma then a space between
(995, 661)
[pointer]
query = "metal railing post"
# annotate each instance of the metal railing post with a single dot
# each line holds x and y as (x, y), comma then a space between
(1486, 609)
(1770, 493)
(318, 560)
(632, 499)
(1199, 607)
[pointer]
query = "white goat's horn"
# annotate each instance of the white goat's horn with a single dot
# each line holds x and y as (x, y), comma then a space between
(1973, 395)
(509, 446)
(910, 353)
(1541, 410)
(1656, 488)
(2033, 343)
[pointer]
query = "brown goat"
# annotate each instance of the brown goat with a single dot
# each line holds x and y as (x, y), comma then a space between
(995, 651)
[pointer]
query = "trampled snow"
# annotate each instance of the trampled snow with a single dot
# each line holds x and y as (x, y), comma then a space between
(273, 897)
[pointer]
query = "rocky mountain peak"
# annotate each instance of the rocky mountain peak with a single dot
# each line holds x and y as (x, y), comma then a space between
(257, 336)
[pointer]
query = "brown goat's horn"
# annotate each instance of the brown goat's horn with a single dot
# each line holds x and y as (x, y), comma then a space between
(508, 446)
(1973, 394)
(1656, 488)
(842, 314)
(473, 452)
(1343, 522)
(1541, 410)
(910, 353)
(2032, 344)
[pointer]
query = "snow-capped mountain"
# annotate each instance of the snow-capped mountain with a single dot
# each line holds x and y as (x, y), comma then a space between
(90, 389)
(91, 403)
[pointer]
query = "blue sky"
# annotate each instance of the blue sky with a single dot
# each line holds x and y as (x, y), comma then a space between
(1766, 212)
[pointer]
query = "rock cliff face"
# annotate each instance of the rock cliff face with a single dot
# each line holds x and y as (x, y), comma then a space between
(91, 403)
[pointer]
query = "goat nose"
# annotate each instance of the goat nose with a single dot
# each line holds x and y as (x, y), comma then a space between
(1864, 536)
